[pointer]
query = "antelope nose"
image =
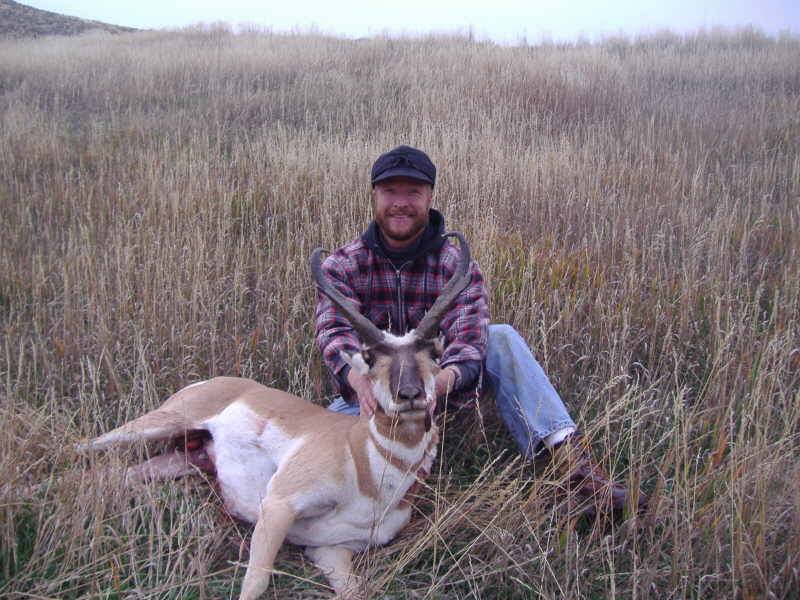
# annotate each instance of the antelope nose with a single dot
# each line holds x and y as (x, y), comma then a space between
(409, 392)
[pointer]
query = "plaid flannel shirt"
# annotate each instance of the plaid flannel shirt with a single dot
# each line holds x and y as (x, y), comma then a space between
(396, 300)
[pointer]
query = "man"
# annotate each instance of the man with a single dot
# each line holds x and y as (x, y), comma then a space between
(394, 272)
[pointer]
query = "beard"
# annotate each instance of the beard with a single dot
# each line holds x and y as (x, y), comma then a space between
(408, 229)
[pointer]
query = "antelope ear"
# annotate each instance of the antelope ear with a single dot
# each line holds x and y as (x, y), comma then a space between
(438, 346)
(356, 361)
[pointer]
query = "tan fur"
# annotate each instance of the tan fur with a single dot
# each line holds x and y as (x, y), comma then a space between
(358, 440)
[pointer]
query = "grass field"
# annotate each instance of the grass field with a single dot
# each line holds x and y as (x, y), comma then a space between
(634, 207)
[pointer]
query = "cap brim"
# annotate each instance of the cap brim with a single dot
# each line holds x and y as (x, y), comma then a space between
(403, 172)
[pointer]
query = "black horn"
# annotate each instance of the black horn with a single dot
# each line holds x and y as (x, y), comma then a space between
(366, 330)
(429, 326)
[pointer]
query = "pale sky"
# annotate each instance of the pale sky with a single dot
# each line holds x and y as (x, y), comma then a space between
(504, 21)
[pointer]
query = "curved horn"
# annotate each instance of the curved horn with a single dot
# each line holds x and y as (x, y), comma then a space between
(429, 325)
(366, 330)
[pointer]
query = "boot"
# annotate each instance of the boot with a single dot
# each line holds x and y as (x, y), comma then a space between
(587, 481)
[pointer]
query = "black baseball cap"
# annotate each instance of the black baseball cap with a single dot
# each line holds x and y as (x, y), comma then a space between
(404, 161)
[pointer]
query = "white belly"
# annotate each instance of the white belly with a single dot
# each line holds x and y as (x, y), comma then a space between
(353, 528)
(246, 454)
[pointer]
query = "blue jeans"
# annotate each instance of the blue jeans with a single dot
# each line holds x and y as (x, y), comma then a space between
(526, 400)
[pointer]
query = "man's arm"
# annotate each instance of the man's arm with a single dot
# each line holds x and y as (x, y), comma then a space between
(334, 333)
(465, 328)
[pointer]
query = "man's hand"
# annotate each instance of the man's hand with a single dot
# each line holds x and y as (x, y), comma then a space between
(446, 380)
(363, 389)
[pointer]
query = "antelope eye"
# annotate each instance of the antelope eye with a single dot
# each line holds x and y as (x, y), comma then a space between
(368, 358)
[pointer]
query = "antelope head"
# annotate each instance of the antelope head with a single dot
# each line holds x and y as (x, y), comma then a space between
(402, 369)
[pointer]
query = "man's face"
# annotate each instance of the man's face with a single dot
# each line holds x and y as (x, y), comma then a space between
(401, 207)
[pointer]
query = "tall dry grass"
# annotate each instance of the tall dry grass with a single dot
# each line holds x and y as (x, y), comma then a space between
(634, 205)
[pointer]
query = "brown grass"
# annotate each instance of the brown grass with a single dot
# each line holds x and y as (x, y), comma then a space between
(634, 205)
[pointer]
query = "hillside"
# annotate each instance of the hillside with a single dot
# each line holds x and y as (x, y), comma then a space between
(18, 21)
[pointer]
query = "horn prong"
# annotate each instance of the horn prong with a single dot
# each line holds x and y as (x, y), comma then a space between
(429, 325)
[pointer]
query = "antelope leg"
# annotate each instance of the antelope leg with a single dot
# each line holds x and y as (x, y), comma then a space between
(337, 564)
(276, 517)
(170, 465)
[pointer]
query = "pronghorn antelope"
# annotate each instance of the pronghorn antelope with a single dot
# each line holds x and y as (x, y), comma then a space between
(333, 483)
